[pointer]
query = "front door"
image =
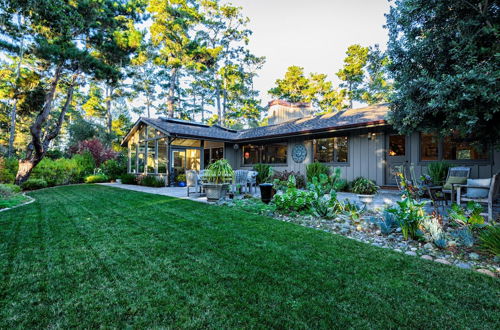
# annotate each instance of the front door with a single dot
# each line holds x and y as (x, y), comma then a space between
(397, 150)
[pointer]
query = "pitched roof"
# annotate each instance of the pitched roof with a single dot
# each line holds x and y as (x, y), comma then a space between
(350, 118)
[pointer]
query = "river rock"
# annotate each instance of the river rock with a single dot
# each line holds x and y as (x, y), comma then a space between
(486, 272)
(473, 256)
(426, 257)
(442, 261)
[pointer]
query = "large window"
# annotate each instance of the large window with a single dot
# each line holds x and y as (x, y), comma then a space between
(133, 158)
(210, 155)
(428, 147)
(162, 156)
(449, 148)
(151, 156)
(332, 150)
(275, 153)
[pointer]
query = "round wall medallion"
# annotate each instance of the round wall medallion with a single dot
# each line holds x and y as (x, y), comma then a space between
(299, 153)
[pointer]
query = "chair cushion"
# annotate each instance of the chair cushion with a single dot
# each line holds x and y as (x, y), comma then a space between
(454, 180)
(478, 192)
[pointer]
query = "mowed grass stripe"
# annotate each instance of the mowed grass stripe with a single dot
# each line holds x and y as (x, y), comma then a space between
(121, 258)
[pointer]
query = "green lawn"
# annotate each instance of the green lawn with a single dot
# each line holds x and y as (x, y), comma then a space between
(90, 256)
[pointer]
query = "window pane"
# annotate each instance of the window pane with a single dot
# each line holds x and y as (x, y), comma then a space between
(217, 153)
(186, 143)
(274, 154)
(397, 145)
(251, 154)
(206, 158)
(193, 159)
(341, 149)
(151, 157)
(331, 150)
(162, 156)
(133, 157)
(141, 157)
(454, 149)
(324, 150)
(428, 147)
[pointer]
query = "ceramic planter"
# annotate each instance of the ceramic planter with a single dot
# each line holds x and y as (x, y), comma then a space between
(266, 192)
(215, 192)
(366, 199)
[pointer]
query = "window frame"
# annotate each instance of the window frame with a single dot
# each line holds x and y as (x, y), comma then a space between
(440, 157)
(347, 163)
(260, 148)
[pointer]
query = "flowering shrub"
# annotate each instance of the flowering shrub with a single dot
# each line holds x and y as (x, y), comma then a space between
(99, 152)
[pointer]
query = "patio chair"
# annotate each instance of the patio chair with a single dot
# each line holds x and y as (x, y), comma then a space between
(240, 179)
(252, 180)
(193, 181)
(484, 191)
(455, 177)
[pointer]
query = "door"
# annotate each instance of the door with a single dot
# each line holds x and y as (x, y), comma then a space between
(185, 159)
(397, 152)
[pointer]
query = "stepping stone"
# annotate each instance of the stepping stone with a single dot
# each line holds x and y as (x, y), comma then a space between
(463, 265)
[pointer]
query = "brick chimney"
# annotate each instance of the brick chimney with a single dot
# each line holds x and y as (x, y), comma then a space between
(281, 111)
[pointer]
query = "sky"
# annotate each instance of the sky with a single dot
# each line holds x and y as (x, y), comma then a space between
(313, 34)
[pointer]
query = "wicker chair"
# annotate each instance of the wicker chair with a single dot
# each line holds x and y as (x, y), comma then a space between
(493, 194)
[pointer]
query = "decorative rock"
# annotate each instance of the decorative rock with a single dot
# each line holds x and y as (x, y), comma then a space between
(486, 272)
(414, 249)
(473, 256)
(426, 257)
(428, 246)
(442, 261)
(411, 253)
(452, 243)
(398, 250)
(463, 265)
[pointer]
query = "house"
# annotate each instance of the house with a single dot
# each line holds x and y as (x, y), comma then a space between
(359, 141)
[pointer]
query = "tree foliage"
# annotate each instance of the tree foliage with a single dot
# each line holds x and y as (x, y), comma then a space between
(445, 65)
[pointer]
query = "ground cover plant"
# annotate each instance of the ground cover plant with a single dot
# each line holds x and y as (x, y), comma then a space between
(10, 195)
(155, 261)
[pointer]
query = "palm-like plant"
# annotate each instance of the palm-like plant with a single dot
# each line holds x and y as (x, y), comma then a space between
(219, 172)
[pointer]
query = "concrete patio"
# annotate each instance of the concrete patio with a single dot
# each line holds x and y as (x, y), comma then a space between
(382, 199)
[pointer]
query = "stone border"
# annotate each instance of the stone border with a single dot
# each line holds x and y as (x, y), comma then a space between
(31, 200)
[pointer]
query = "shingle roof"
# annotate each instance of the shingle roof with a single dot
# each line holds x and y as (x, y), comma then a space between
(191, 129)
(350, 118)
(375, 114)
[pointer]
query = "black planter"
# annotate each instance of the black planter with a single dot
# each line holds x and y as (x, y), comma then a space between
(266, 192)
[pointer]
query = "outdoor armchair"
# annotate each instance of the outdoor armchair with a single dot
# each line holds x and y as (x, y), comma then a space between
(478, 190)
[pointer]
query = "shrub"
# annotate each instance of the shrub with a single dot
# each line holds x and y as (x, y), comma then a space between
(282, 178)
(293, 199)
(32, 184)
(99, 152)
(129, 179)
(113, 168)
(467, 216)
(96, 178)
(489, 240)
(151, 181)
(85, 162)
(435, 231)
(8, 169)
(438, 171)
(315, 169)
(264, 173)
(7, 190)
(364, 186)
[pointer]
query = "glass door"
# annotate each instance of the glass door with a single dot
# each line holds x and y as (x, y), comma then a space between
(178, 162)
(397, 151)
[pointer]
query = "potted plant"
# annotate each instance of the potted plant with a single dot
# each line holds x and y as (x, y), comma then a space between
(181, 180)
(217, 176)
(365, 189)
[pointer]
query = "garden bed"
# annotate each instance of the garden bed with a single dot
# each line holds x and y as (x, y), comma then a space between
(366, 230)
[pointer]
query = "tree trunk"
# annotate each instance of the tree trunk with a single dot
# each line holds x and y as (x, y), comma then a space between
(109, 117)
(37, 147)
(203, 108)
(171, 93)
(219, 108)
